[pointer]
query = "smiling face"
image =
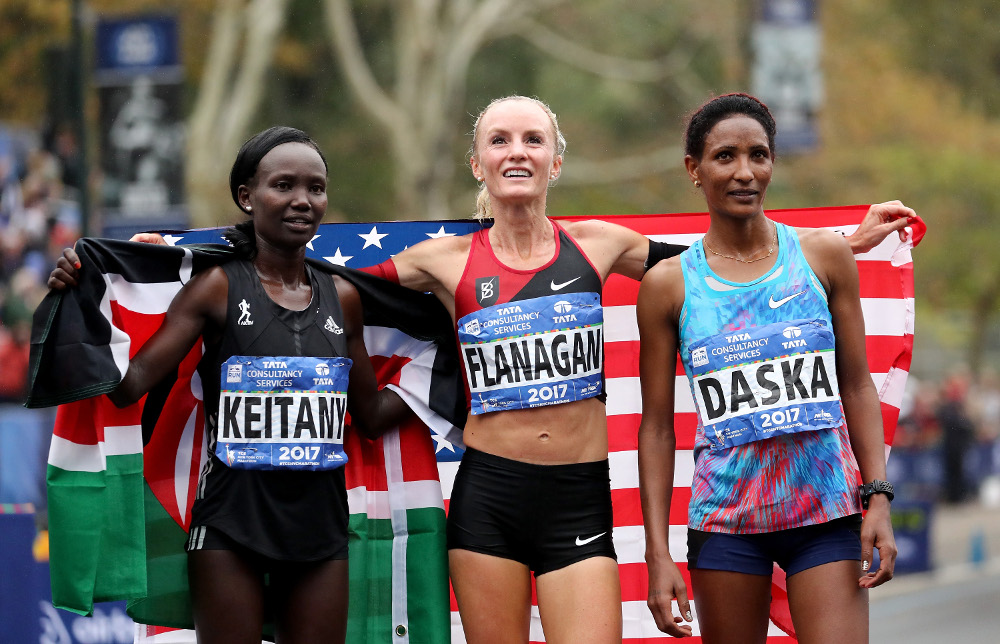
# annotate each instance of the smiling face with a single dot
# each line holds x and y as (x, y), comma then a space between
(515, 152)
(287, 195)
(735, 166)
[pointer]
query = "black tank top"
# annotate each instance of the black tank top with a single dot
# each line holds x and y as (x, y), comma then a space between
(287, 515)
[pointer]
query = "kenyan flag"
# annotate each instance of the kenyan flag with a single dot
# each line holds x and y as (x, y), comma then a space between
(122, 482)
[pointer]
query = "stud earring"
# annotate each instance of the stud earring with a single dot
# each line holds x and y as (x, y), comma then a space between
(249, 208)
(697, 184)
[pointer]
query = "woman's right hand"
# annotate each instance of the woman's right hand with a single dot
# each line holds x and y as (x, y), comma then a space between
(149, 238)
(665, 585)
(67, 269)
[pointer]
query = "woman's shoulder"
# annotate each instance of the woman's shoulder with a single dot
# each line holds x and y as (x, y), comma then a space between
(449, 245)
(824, 244)
(820, 238)
(666, 278)
(581, 229)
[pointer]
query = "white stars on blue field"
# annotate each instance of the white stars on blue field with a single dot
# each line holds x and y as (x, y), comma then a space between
(338, 259)
(373, 238)
(355, 244)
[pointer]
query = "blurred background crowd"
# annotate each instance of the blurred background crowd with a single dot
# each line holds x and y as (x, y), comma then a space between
(39, 216)
(947, 443)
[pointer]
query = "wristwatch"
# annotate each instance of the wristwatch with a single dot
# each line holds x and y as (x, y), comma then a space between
(875, 487)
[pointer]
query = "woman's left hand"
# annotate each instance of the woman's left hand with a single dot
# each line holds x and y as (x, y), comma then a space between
(876, 532)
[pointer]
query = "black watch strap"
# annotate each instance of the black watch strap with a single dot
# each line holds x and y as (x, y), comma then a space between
(875, 487)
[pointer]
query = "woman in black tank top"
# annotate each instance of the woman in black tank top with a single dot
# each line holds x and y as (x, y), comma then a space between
(278, 180)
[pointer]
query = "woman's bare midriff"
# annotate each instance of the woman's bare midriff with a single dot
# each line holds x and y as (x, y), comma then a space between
(575, 432)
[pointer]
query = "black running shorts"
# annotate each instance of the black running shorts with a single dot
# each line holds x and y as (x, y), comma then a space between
(544, 516)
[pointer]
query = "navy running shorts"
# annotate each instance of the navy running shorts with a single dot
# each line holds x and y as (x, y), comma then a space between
(544, 516)
(795, 550)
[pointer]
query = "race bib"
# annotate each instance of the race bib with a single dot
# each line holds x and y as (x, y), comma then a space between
(282, 412)
(765, 381)
(542, 351)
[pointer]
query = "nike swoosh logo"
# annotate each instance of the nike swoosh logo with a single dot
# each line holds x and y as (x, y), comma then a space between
(776, 303)
(583, 542)
(557, 287)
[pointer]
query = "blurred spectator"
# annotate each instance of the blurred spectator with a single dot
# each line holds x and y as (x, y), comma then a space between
(14, 342)
(918, 426)
(958, 434)
(985, 407)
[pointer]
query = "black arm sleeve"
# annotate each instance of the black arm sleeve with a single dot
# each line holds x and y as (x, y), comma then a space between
(661, 250)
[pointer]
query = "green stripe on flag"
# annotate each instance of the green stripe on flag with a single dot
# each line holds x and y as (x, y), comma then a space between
(96, 550)
(370, 613)
(427, 577)
(168, 602)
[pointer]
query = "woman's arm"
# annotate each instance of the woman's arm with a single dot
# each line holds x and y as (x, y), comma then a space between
(839, 272)
(661, 295)
(615, 249)
(201, 301)
(373, 410)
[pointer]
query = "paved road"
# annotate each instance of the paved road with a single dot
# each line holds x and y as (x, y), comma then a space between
(962, 607)
(959, 601)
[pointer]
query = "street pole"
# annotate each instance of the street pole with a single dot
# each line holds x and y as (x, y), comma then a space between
(79, 112)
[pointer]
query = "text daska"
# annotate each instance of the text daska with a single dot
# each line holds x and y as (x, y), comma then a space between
(775, 383)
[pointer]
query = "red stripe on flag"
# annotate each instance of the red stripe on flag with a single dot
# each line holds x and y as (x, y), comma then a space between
(140, 325)
(388, 366)
(623, 431)
(180, 410)
(365, 462)
(880, 279)
(417, 449)
(635, 580)
(75, 422)
(890, 418)
(627, 511)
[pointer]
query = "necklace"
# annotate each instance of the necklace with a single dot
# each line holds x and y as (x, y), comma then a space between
(770, 250)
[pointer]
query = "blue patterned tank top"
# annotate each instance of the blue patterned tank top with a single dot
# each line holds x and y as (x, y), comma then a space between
(772, 450)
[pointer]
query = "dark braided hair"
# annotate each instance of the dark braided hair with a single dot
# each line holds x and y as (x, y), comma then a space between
(719, 108)
(244, 169)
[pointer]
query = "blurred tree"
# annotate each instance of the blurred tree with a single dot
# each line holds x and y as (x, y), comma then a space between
(27, 30)
(413, 80)
(901, 122)
(238, 58)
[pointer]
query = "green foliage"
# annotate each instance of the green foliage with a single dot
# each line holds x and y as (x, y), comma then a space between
(955, 41)
(28, 30)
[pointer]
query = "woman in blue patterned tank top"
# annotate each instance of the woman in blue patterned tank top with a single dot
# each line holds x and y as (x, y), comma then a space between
(768, 323)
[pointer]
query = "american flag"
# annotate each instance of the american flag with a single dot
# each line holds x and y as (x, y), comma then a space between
(888, 304)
